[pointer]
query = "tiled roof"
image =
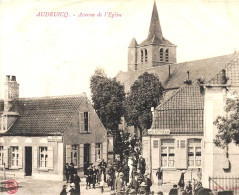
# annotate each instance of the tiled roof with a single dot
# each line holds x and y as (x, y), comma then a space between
(206, 68)
(45, 115)
(182, 112)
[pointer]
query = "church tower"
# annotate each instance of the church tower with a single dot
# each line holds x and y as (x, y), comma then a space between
(152, 52)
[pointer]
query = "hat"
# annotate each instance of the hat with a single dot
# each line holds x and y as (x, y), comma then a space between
(174, 185)
(121, 174)
(143, 184)
(73, 185)
(146, 174)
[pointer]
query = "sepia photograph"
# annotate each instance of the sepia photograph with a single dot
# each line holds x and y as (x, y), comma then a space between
(119, 97)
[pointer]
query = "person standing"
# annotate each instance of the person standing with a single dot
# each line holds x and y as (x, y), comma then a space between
(181, 181)
(102, 183)
(94, 176)
(147, 182)
(174, 190)
(142, 164)
(76, 180)
(103, 166)
(71, 170)
(160, 176)
(72, 190)
(67, 173)
(199, 175)
(119, 184)
(135, 183)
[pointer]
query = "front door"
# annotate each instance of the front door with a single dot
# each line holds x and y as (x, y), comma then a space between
(28, 161)
(86, 157)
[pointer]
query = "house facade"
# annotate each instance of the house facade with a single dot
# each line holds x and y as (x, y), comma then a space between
(40, 135)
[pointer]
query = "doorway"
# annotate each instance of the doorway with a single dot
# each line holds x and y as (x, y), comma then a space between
(28, 161)
(86, 157)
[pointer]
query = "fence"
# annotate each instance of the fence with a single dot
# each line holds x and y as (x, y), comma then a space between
(224, 184)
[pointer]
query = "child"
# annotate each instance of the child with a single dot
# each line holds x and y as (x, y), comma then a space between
(102, 182)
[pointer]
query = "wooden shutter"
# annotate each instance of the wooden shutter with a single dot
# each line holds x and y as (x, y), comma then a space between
(68, 154)
(20, 157)
(81, 122)
(181, 154)
(35, 157)
(50, 157)
(92, 152)
(104, 145)
(81, 155)
(89, 122)
(155, 152)
(5, 156)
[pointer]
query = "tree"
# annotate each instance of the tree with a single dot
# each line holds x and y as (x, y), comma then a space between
(228, 125)
(145, 93)
(108, 96)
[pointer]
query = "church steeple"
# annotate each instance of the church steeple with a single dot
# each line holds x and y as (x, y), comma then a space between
(155, 28)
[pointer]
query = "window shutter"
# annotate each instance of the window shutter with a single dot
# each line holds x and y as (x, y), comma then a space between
(68, 154)
(92, 152)
(20, 157)
(81, 122)
(155, 152)
(50, 157)
(5, 157)
(89, 122)
(181, 155)
(105, 151)
(81, 155)
(35, 157)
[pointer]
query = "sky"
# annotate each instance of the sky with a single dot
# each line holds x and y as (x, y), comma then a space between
(53, 56)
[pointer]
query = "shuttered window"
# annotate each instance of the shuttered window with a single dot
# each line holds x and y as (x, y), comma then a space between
(14, 156)
(43, 157)
(98, 151)
(167, 153)
(72, 154)
(84, 122)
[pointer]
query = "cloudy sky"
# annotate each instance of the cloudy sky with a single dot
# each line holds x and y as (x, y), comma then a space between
(57, 55)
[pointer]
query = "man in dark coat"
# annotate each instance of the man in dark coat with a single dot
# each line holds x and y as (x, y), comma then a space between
(76, 180)
(67, 173)
(160, 176)
(174, 190)
(94, 176)
(89, 176)
(148, 183)
(71, 170)
(142, 164)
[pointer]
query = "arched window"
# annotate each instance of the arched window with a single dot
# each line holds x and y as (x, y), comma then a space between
(146, 55)
(161, 54)
(166, 55)
(142, 56)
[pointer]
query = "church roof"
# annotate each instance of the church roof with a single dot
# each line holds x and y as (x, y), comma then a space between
(207, 68)
(44, 115)
(182, 113)
(155, 35)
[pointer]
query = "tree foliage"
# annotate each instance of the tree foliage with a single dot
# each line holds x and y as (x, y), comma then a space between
(145, 93)
(228, 125)
(108, 96)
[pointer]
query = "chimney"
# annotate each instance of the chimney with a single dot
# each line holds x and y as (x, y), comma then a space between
(11, 94)
(188, 81)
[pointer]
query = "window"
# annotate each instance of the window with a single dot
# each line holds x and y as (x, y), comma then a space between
(43, 157)
(14, 156)
(167, 153)
(142, 56)
(166, 55)
(74, 154)
(194, 153)
(1, 155)
(146, 55)
(161, 54)
(98, 151)
(86, 121)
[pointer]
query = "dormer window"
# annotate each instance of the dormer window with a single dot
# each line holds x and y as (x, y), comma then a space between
(166, 55)
(146, 55)
(142, 56)
(161, 54)
(84, 122)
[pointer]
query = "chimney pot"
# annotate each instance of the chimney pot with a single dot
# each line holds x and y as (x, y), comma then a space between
(7, 77)
(13, 78)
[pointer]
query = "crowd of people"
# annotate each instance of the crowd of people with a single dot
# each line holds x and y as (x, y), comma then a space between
(126, 174)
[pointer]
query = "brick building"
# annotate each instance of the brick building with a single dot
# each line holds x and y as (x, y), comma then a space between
(39, 136)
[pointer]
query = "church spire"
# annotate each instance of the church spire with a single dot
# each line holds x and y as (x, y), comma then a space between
(155, 28)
